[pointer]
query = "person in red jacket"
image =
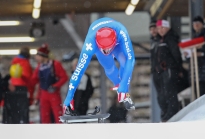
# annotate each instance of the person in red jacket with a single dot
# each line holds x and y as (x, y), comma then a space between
(51, 76)
(16, 101)
(23, 60)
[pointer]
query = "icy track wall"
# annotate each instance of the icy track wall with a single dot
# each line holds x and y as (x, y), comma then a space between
(176, 130)
(195, 111)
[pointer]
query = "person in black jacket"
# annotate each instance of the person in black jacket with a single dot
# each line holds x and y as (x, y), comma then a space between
(4, 85)
(199, 31)
(154, 42)
(167, 64)
(1, 90)
(1, 87)
(83, 92)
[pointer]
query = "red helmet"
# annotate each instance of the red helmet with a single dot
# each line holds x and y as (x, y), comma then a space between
(106, 40)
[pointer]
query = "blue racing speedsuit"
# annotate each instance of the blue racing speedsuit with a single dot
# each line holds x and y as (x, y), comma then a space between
(123, 52)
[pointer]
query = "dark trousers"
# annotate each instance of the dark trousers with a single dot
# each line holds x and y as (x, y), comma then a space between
(81, 102)
(201, 88)
(167, 85)
(16, 106)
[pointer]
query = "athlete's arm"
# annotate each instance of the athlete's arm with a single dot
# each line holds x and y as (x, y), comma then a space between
(87, 52)
(126, 46)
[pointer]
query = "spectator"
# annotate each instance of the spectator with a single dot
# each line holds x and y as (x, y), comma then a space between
(1, 90)
(51, 76)
(154, 40)
(117, 112)
(4, 86)
(168, 68)
(199, 31)
(83, 92)
(16, 101)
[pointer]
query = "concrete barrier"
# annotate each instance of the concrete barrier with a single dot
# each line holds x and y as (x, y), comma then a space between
(181, 130)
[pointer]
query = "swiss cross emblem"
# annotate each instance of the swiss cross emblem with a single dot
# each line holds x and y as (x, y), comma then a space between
(71, 86)
(89, 46)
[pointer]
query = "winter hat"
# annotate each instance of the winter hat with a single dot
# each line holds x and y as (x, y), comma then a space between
(43, 50)
(163, 23)
(152, 23)
(198, 19)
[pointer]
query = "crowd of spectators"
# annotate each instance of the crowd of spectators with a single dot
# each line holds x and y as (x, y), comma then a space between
(169, 75)
(18, 87)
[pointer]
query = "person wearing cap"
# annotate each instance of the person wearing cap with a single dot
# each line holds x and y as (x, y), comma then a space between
(154, 41)
(168, 67)
(16, 101)
(198, 26)
(107, 39)
(199, 31)
(153, 30)
(51, 76)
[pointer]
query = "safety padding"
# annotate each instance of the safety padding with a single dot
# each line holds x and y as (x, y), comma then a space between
(192, 43)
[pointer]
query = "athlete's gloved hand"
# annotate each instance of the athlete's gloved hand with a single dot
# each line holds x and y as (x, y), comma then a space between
(68, 111)
(64, 109)
(72, 104)
(114, 88)
(125, 98)
(121, 96)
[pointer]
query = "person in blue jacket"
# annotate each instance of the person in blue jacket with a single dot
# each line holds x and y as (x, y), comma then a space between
(107, 39)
